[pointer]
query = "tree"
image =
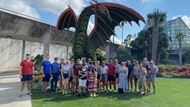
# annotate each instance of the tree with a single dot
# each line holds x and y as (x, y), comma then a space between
(180, 36)
(128, 40)
(155, 20)
(123, 54)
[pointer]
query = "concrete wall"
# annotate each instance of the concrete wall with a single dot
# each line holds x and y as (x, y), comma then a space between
(11, 51)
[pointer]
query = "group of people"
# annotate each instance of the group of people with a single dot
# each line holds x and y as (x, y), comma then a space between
(82, 77)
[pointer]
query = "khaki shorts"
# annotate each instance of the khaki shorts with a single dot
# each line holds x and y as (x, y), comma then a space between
(75, 79)
(151, 80)
(142, 83)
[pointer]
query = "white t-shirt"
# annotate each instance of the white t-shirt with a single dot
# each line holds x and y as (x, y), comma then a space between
(104, 69)
(135, 70)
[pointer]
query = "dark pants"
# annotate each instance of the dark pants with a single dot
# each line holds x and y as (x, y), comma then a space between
(54, 81)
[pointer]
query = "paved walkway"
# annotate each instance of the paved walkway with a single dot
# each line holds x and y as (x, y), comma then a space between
(10, 88)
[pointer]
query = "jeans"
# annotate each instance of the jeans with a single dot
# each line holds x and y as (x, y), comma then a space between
(54, 81)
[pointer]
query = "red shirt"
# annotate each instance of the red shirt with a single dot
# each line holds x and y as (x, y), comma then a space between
(111, 69)
(77, 67)
(26, 67)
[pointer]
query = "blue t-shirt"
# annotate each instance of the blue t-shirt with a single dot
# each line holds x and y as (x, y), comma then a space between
(153, 70)
(55, 67)
(46, 67)
(117, 67)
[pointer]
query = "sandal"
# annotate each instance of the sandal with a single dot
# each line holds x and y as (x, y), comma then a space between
(29, 93)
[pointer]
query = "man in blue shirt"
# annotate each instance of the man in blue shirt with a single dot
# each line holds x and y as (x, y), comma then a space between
(55, 74)
(45, 73)
(152, 76)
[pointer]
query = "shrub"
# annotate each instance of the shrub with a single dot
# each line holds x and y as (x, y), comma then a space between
(183, 68)
(182, 72)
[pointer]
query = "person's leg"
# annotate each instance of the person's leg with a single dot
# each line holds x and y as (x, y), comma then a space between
(77, 83)
(56, 80)
(43, 86)
(52, 83)
(60, 83)
(154, 85)
(63, 86)
(114, 84)
(67, 85)
(128, 82)
(131, 83)
(28, 87)
(22, 87)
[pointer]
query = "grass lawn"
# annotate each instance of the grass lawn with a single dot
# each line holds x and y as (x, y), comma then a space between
(170, 93)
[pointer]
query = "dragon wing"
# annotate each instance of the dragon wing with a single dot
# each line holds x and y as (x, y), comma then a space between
(67, 19)
(104, 29)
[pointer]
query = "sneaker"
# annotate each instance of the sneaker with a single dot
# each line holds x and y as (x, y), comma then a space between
(135, 91)
(148, 91)
(115, 91)
(128, 89)
(63, 93)
(78, 95)
(154, 92)
(94, 95)
(110, 90)
(91, 95)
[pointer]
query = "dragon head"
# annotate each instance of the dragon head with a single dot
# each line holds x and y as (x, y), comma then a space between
(100, 10)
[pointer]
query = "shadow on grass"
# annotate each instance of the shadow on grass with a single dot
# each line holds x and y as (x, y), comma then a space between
(58, 97)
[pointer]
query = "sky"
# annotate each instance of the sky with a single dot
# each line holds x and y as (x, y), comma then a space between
(49, 11)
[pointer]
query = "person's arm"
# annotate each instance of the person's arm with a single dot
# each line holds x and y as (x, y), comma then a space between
(20, 71)
(95, 77)
(101, 72)
(73, 72)
(155, 71)
(33, 72)
(126, 72)
(42, 70)
(51, 70)
(62, 71)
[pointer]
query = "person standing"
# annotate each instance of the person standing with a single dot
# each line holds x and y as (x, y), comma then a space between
(142, 79)
(71, 73)
(145, 62)
(99, 77)
(75, 70)
(104, 75)
(46, 66)
(117, 66)
(123, 74)
(134, 74)
(82, 80)
(152, 76)
(88, 63)
(92, 81)
(65, 77)
(111, 75)
(129, 79)
(55, 74)
(62, 63)
(26, 71)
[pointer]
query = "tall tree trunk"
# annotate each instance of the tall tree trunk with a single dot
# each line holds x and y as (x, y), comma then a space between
(159, 54)
(155, 35)
(180, 53)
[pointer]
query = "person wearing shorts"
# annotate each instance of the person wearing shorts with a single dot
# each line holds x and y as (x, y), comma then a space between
(111, 75)
(152, 76)
(142, 79)
(75, 70)
(134, 74)
(26, 71)
(65, 77)
(117, 66)
(70, 73)
(129, 78)
(46, 66)
(82, 80)
(99, 77)
(104, 75)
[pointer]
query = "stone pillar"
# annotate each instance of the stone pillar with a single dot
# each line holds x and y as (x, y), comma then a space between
(46, 41)
(67, 53)
(23, 49)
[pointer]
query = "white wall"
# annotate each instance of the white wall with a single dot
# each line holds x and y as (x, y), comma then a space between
(11, 51)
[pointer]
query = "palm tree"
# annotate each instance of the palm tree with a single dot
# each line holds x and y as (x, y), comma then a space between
(128, 40)
(180, 36)
(155, 20)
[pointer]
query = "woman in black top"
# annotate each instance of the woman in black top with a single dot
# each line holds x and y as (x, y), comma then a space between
(82, 80)
(130, 78)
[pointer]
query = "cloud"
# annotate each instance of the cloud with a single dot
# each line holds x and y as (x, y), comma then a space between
(116, 40)
(19, 6)
(90, 27)
(58, 6)
(185, 18)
